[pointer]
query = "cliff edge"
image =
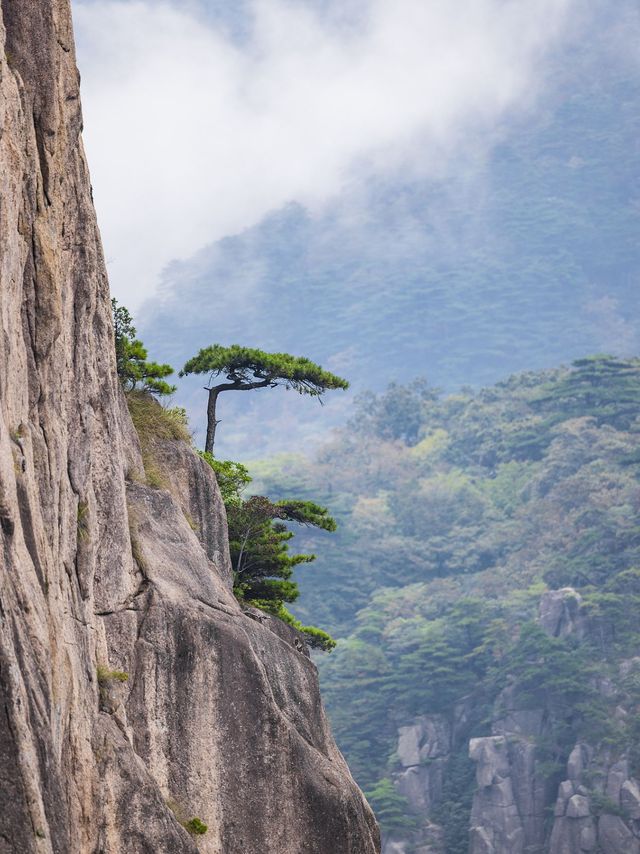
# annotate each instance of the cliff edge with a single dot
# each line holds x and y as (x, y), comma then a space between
(135, 693)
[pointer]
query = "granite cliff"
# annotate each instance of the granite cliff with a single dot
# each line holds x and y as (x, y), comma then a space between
(135, 693)
(590, 804)
(521, 804)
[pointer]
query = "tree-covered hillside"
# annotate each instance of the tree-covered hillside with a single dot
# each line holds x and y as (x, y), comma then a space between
(525, 253)
(456, 514)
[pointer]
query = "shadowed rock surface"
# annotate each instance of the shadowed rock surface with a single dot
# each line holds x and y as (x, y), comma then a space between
(590, 803)
(220, 715)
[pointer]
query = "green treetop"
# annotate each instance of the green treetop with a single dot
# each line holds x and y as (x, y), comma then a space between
(258, 544)
(246, 368)
(603, 387)
(260, 557)
(133, 368)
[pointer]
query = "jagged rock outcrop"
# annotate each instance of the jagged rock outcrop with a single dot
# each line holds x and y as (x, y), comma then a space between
(423, 751)
(559, 613)
(508, 812)
(595, 807)
(598, 805)
(523, 804)
(135, 693)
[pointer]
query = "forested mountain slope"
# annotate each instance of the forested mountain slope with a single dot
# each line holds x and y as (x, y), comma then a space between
(524, 253)
(485, 582)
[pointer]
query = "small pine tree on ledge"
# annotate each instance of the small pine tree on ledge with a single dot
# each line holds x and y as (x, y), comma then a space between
(246, 369)
(258, 544)
(258, 536)
(262, 564)
(134, 371)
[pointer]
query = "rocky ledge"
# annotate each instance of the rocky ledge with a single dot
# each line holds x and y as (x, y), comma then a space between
(139, 701)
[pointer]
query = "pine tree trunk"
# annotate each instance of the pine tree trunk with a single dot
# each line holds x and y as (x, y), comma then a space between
(211, 420)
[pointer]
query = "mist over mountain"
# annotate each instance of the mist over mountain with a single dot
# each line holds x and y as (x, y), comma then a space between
(526, 256)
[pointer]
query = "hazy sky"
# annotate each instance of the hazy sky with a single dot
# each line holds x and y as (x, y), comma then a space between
(202, 118)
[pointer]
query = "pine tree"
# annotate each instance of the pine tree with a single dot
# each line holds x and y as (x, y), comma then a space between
(246, 369)
(134, 371)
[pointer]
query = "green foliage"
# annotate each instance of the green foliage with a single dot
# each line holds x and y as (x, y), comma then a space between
(306, 513)
(602, 805)
(246, 369)
(558, 675)
(260, 555)
(506, 488)
(390, 807)
(434, 662)
(398, 414)
(356, 688)
(452, 813)
(134, 370)
(613, 614)
(195, 826)
(232, 477)
(475, 498)
(245, 366)
(106, 675)
(258, 543)
(316, 638)
(633, 741)
(600, 387)
(155, 423)
(83, 520)
(450, 531)
(552, 673)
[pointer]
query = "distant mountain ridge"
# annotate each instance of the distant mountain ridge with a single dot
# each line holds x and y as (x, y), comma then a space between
(531, 262)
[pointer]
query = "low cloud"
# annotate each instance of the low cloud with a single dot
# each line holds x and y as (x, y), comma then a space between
(194, 133)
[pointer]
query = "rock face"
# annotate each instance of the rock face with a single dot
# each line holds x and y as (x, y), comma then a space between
(135, 692)
(519, 805)
(596, 806)
(423, 752)
(423, 749)
(603, 817)
(508, 812)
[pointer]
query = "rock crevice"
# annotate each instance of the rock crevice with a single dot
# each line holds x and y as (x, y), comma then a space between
(135, 694)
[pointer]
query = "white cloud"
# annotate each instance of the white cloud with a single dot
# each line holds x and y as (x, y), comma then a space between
(192, 135)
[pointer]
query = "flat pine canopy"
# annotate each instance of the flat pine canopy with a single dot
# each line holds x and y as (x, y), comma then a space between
(247, 367)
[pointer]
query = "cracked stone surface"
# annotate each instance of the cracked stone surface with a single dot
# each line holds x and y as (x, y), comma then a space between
(510, 805)
(220, 716)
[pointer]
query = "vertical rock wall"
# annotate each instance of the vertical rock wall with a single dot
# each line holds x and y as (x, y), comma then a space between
(521, 805)
(219, 716)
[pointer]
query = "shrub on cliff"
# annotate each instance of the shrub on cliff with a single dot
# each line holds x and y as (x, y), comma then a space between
(258, 543)
(155, 423)
(390, 807)
(134, 370)
(258, 540)
(262, 564)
